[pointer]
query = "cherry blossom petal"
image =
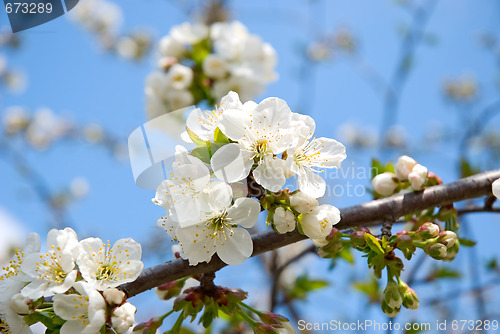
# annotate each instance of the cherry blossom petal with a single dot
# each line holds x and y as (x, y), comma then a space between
(230, 163)
(271, 174)
(236, 248)
(245, 211)
(311, 183)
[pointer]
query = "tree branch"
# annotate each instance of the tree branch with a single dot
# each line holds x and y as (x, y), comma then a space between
(366, 214)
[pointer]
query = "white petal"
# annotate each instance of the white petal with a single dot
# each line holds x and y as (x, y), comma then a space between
(332, 153)
(169, 225)
(32, 244)
(271, 174)
(35, 289)
(216, 196)
(235, 124)
(230, 163)
(245, 212)
(236, 248)
(311, 183)
(64, 305)
(201, 125)
(68, 283)
(231, 101)
(197, 243)
(191, 175)
(72, 327)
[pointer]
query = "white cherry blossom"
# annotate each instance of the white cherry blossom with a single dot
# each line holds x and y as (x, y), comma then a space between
(180, 194)
(53, 271)
(215, 67)
(204, 123)
(12, 280)
(261, 134)
(306, 158)
(105, 267)
(217, 230)
(179, 77)
(319, 222)
(84, 312)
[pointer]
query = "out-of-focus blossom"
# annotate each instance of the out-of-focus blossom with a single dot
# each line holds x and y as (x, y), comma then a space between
(222, 57)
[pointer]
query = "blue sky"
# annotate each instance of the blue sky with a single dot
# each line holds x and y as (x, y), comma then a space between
(68, 72)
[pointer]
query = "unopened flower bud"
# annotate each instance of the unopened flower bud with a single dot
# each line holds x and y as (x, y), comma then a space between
(495, 188)
(283, 220)
(262, 328)
(437, 251)
(410, 299)
(427, 231)
(384, 184)
(303, 203)
(390, 311)
(20, 304)
(170, 289)
(358, 238)
(273, 318)
(418, 177)
(404, 167)
(404, 241)
(122, 318)
(392, 296)
(453, 251)
(447, 238)
(114, 296)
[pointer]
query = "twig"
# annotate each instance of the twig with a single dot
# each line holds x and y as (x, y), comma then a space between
(366, 214)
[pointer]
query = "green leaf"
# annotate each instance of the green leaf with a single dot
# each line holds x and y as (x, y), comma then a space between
(202, 153)
(346, 254)
(303, 285)
(466, 169)
(443, 272)
(467, 242)
(373, 243)
(370, 288)
(219, 137)
(492, 264)
(197, 140)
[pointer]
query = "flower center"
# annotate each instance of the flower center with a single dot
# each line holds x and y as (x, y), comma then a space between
(4, 327)
(12, 268)
(219, 223)
(260, 149)
(106, 272)
(53, 271)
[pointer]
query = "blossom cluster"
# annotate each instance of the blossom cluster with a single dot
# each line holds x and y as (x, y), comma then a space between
(407, 172)
(104, 19)
(40, 129)
(254, 147)
(202, 63)
(71, 286)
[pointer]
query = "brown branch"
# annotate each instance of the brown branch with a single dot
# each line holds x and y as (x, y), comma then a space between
(366, 214)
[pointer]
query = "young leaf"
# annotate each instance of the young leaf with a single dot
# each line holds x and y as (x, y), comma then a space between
(467, 242)
(219, 137)
(373, 243)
